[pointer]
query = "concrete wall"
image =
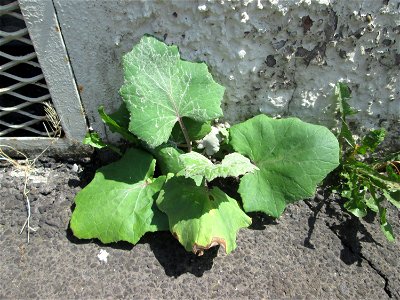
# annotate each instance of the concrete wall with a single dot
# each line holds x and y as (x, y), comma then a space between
(279, 57)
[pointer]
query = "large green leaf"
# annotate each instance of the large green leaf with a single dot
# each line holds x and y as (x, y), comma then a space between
(117, 204)
(200, 218)
(293, 157)
(197, 166)
(160, 89)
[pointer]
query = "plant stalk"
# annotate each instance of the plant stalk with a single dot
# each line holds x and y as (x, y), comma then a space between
(185, 134)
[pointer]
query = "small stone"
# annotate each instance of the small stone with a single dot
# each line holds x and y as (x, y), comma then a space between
(270, 61)
(202, 8)
(75, 168)
(387, 42)
(245, 17)
(102, 256)
(242, 53)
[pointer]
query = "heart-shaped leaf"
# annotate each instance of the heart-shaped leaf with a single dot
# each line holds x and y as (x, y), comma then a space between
(118, 204)
(197, 166)
(293, 157)
(200, 218)
(160, 89)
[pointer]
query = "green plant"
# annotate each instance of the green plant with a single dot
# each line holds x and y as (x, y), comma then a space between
(169, 106)
(366, 182)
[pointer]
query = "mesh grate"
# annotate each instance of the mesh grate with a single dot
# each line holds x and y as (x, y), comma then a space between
(23, 89)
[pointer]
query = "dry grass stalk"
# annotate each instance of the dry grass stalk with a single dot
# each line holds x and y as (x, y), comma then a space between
(28, 165)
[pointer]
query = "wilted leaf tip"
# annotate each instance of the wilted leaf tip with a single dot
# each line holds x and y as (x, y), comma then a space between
(215, 241)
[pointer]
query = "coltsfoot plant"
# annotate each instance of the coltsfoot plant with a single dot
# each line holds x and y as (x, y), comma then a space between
(366, 182)
(165, 180)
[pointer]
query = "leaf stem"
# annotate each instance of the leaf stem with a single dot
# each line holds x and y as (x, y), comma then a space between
(185, 134)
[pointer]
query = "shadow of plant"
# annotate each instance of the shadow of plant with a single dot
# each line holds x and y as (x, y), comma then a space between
(99, 158)
(167, 250)
(348, 229)
(120, 245)
(311, 223)
(345, 226)
(260, 220)
(175, 260)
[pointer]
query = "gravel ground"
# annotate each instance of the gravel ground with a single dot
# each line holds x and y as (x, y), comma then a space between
(315, 250)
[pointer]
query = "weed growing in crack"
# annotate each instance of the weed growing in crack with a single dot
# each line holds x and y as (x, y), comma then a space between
(165, 180)
(367, 182)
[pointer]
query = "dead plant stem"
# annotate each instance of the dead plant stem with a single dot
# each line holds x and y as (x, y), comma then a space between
(28, 166)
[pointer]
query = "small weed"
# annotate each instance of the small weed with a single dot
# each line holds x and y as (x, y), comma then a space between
(368, 183)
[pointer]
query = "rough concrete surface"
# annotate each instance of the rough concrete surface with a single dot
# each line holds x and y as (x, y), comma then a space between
(279, 57)
(314, 250)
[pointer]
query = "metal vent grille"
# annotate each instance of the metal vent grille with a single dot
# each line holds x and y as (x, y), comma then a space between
(23, 89)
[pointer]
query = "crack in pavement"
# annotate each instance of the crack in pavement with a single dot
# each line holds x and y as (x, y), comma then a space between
(380, 273)
(316, 210)
(369, 262)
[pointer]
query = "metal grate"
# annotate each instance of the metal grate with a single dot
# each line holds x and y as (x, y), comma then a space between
(23, 88)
